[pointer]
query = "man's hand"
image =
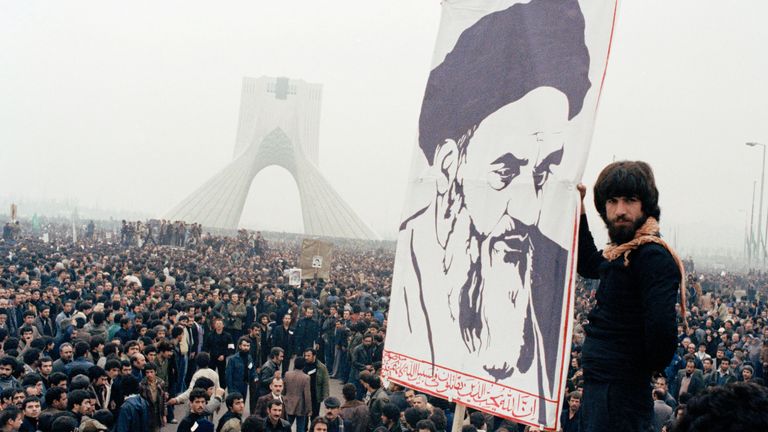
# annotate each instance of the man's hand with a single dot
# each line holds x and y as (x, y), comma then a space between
(582, 192)
(220, 392)
(172, 401)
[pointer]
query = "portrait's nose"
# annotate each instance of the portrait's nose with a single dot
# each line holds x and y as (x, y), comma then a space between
(524, 204)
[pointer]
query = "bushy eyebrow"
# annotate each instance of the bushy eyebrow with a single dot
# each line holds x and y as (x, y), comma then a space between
(553, 158)
(510, 160)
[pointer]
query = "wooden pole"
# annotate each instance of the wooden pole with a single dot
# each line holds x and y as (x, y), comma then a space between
(458, 417)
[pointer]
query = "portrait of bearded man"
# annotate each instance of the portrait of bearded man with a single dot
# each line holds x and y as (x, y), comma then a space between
(479, 275)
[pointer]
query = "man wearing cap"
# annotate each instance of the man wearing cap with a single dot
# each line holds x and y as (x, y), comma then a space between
(748, 375)
(332, 415)
(298, 396)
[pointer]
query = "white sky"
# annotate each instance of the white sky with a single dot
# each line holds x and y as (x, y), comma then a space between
(132, 105)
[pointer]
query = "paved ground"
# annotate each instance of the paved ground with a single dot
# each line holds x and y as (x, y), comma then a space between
(181, 410)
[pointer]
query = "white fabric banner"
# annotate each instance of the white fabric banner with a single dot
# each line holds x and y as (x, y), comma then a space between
(482, 294)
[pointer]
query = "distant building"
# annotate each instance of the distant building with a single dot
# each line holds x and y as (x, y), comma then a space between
(279, 125)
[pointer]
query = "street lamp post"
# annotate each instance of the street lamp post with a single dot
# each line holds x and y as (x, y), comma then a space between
(751, 239)
(761, 241)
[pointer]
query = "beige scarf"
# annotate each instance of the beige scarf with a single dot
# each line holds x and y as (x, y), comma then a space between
(648, 233)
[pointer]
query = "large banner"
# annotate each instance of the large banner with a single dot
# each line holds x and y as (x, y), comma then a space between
(482, 294)
(315, 259)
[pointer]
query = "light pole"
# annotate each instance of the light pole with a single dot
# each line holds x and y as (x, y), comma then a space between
(751, 239)
(760, 239)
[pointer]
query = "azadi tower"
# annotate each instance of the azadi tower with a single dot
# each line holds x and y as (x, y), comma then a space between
(279, 122)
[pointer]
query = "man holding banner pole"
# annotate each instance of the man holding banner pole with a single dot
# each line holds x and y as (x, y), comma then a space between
(632, 328)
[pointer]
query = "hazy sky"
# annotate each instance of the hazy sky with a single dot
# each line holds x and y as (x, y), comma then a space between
(132, 105)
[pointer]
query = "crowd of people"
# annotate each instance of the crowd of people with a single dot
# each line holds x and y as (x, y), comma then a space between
(105, 335)
(155, 232)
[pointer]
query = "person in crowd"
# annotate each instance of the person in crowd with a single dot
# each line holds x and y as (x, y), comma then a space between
(197, 419)
(31, 409)
(689, 380)
(723, 375)
(275, 419)
(220, 345)
(319, 379)
(11, 419)
(79, 404)
(270, 370)
(153, 390)
(134, 411)
(254, 338)
(336, 423)
(55, 400)
(390, 417)
(240, 369)
(354, 410)
(232, 419)
(307, 332)
(283, 337)
(376, 397)
(732, 407)
(276, 393)
(203, 371)
(570, 417)
(297, 402)
(661, 411)
(236, 313)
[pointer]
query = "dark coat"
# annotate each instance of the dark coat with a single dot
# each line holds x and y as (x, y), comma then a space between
(282, 338)
(134, 415)
(363, 356)
(356, 412)
(632, 329)
(694, 387)
(281, 426)
(236, 372)
(306, 335)
(218, 345)
(267, 374)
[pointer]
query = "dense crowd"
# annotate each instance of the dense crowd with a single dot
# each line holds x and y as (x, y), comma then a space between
(112, 331)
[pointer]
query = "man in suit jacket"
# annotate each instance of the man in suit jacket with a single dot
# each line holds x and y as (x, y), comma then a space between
(276, 387)
(661, 411)
(689, 380)
(298, 396)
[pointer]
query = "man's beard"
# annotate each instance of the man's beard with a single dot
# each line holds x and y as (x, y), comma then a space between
(620, 234)
(501, 261)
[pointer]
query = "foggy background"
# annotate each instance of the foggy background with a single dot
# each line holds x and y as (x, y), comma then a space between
(124, 108)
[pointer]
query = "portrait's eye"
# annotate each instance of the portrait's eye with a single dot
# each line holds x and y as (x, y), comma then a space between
(504, 170)
(543, 170)
(539, 178)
